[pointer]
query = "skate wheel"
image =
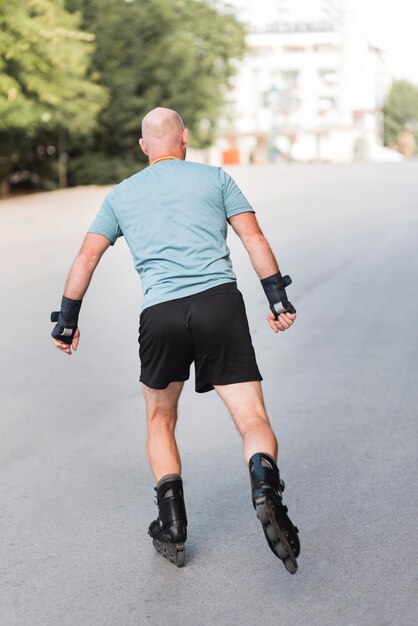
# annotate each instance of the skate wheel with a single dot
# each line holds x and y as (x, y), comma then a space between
(290, 566)
(270, 532)
(262, 513)
(280, 550)
(175, 553)
(180, 558)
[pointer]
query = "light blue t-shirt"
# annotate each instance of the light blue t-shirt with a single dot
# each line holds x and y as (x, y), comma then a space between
(173, 216)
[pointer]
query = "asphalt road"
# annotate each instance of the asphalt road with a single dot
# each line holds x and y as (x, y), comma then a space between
(341, 389)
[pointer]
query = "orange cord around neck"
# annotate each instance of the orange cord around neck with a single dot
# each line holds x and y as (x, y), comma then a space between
(165, 158)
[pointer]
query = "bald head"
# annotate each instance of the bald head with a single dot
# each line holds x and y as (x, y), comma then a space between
(163, 134)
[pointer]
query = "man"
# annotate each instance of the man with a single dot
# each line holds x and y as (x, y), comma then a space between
(174, 217)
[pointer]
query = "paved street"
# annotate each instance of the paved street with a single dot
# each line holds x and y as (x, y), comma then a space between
(341, 387)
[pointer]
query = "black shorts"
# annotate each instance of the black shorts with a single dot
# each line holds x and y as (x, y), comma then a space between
(209, 328)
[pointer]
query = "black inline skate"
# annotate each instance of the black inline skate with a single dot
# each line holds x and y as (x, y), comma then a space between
(169, 530)
(267, 490)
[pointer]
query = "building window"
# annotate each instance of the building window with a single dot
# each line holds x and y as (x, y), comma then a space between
(326, 105)
(328, 77)
(262, 52)
(289, 78)
(293, 49)
(325, 47)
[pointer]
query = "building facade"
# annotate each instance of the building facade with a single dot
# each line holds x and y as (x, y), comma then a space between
(310, 88)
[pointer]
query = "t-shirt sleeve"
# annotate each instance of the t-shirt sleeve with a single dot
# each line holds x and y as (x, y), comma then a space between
(105, 222)
(234, 200)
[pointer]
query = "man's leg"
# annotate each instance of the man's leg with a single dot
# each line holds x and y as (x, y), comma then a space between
(163, 454)
(169, 530)
(246, 405)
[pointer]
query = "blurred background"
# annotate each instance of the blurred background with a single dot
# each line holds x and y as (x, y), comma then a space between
(293, 80)
(312, 106)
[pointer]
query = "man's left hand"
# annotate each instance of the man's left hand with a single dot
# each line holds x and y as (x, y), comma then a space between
(284, 321)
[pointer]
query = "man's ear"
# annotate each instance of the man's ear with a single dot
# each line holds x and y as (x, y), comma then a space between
(185, 137)
(143, 146)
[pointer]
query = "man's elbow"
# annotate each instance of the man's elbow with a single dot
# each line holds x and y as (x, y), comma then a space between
(254, 241)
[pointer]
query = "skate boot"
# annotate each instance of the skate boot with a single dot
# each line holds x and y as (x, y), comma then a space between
(169, 530)
(267, 489)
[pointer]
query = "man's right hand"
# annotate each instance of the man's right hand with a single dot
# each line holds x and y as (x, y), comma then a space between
(284, 321)
(65, 347)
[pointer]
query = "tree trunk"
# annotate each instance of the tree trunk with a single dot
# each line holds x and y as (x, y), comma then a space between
(5, 169)
(62, 160)
(4, 185)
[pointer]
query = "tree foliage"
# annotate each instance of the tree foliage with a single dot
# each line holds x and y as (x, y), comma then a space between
(44, 59)
(400, 111)
(44, 82)
(144, 53)
(174, 53)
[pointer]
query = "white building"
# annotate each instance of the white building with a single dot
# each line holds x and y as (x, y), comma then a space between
(263, 13)
(310, 88)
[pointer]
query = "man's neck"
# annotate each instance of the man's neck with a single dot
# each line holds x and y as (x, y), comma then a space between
(178, 154)
(165, 158)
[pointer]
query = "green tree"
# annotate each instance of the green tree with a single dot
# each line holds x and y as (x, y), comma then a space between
(175, 53)
(44, 82)
(400, 111)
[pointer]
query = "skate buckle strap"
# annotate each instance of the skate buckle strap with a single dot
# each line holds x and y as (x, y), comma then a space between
(171, 502)
(264, 472)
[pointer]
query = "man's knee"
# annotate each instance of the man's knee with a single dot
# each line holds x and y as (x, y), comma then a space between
(162, 400)
(157, 418)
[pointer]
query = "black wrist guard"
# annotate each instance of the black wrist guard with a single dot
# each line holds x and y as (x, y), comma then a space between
(275, 290)
(67, 320)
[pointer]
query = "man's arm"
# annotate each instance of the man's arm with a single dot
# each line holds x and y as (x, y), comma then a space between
(262, 258)
(85, 263)
(79, 278)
